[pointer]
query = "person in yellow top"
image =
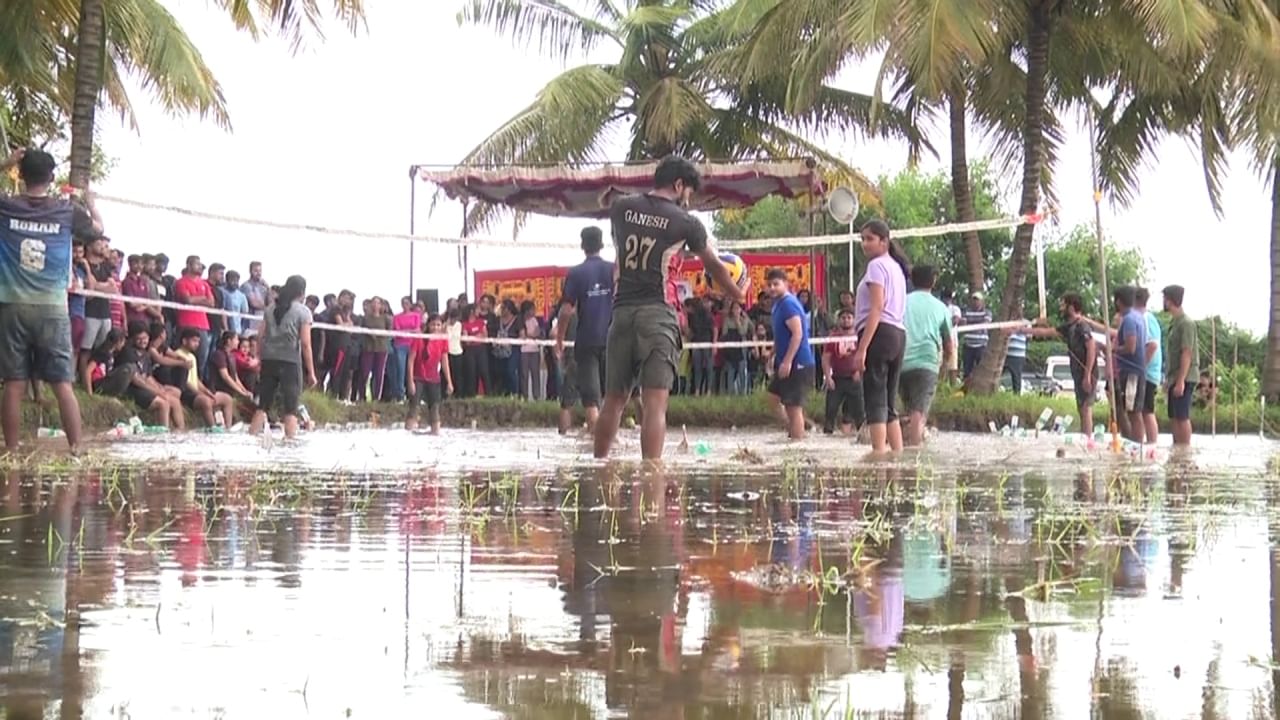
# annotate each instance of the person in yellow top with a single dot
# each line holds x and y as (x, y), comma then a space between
(194, 393)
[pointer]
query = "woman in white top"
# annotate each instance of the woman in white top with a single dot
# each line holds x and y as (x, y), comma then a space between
(879, 310)
(453, 328)
(533, 382)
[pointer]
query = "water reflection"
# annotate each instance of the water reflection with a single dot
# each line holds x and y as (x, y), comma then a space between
(887, 593)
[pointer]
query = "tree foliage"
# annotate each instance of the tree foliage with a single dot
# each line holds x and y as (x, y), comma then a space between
(672, 89)
(142, 41)
(1072, 265)
(915, 199)
(772, 217)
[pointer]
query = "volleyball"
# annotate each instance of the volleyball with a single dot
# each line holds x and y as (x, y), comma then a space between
(737, 271)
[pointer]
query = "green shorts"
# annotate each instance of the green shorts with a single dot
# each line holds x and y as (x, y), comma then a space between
(643, 348)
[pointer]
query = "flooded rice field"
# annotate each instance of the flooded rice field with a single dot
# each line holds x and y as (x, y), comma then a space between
(503, 575)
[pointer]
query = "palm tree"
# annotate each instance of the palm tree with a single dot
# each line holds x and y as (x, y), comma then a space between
(141, 36)
(1255, 56)
(1039, 28)
(91, 40)
(930, 52)
(38, 45)
(990, 63)
(1225, 93)
(1133, 50)
(670, 90)
(1271, 373)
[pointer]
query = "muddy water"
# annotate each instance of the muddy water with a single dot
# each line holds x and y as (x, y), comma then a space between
(986, 578)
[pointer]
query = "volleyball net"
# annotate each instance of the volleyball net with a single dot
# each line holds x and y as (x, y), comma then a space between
(472, 340)
(581, 192)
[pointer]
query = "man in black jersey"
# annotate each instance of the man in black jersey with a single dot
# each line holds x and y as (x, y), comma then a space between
(651, 232)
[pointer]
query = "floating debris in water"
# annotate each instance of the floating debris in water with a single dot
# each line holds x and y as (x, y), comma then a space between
(745, 454)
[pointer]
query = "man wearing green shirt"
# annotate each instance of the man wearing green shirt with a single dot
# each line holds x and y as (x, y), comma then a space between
(1182, 353)
(928, 324)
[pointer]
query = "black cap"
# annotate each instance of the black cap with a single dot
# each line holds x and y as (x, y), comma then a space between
(36, 167)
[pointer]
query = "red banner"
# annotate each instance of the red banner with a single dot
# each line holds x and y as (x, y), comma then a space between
(543, 285)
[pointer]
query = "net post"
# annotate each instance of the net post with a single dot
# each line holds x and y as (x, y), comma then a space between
(413, 216)
(851, 236)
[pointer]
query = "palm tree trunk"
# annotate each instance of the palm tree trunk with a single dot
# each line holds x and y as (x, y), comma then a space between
(88, 85)
(986, 377)
(962, 192)
(1271, 375)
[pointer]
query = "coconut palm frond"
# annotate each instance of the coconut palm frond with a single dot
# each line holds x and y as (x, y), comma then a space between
(553, 27)
(145, 42)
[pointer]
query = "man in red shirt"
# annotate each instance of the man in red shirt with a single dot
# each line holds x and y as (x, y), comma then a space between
(193, 289)
(135, 284)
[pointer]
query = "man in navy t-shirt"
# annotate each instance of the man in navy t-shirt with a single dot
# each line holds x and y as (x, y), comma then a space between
(792, 356)
(35, 272)
(588, 293)
(1131, 361)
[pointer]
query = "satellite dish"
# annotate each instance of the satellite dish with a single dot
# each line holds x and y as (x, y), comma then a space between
(842, 205)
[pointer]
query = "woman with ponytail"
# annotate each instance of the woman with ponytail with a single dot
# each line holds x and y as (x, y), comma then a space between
(286, 349)
(878, 322)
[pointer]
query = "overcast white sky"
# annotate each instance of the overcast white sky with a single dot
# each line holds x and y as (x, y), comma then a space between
(326, 137)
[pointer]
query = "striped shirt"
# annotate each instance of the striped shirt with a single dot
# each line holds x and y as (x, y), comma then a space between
(977, 338)
(1017, 345)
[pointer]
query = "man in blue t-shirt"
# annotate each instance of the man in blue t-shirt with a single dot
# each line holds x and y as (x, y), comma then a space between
(588, 293)
(792, 356)
(35, 273)
(1131, 361)
(1154, 355)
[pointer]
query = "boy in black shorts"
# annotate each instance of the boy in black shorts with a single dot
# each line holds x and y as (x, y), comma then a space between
(792, 357)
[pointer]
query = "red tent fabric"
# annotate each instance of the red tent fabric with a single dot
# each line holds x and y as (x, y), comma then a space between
(589, 192)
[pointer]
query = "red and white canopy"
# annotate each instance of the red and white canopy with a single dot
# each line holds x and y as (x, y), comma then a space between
(590, 191)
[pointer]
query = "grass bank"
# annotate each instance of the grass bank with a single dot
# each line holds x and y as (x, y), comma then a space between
(951, 413)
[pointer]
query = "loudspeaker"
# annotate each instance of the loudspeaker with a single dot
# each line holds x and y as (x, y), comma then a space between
(430, 299)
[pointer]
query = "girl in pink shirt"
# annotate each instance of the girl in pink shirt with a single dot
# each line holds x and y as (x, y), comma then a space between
(407, 320)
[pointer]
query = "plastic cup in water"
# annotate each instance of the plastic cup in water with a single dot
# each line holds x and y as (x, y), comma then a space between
(992, 425)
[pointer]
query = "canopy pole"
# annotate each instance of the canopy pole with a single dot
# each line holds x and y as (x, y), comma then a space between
(413, 216)
(462, 250)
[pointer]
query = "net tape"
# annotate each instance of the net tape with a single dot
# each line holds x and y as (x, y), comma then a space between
(355, 330)
(758, 243)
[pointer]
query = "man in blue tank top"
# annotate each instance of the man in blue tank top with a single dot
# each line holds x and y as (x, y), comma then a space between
(35, 273)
